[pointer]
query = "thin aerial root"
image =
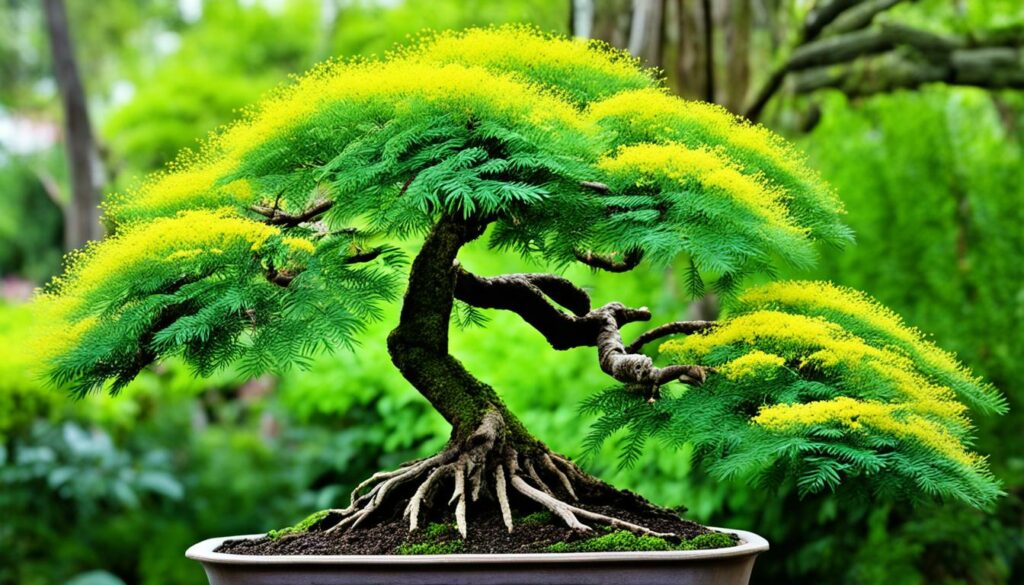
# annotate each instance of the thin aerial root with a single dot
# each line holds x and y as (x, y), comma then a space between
(572, 470)
(383, 476)
(502, 491)
(555, 506)
(536, 478)
(566, 484)
(460, 482)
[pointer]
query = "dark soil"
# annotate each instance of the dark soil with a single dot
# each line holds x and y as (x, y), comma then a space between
(486, 532)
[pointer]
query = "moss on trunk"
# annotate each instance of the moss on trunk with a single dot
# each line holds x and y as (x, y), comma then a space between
(419, 344)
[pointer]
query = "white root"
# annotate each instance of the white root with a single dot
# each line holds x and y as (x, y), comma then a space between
(376, 496)
(617, 523)
(502, 492)
(412, 510)
(459, 495)
(536, 478)
(555, 506)
(476, 481)
(566, 484)
(570, 514)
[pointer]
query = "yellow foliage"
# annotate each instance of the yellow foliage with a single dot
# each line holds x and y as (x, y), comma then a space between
(713, 171)
(655, 115)
(923, 411)
(590, 67)
(847, 301)
(755, 363)
(898, 420)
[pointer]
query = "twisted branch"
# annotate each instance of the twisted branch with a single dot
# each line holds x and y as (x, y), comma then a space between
(676, 327)
(528, 294)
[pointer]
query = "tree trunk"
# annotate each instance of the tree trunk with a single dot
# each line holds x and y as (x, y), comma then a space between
(695, 56)
(82, 217)
(419, 345)
(645, 34)
(737, 57)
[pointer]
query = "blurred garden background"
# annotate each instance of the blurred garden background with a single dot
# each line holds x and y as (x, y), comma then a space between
(913, 110)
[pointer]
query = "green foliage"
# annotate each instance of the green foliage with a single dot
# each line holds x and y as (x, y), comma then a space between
(623, 541)
(32, 253)
(823, 384)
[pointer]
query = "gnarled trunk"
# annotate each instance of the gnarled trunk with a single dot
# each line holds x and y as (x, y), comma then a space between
(419, 345)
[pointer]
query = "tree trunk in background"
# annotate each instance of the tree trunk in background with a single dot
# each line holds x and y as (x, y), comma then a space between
(612, 22)
(736, 21)
(82, 216)
(581, 18)
(645, 31)
(694, 51)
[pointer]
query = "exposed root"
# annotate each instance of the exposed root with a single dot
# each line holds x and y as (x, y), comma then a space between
(483, 465)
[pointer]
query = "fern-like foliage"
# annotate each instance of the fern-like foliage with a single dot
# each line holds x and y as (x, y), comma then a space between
(507, 125)
(825, 384)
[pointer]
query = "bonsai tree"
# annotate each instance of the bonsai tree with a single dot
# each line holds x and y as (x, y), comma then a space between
(278, 239)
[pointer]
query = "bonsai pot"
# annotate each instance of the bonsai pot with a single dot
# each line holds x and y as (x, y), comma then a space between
(725, 566)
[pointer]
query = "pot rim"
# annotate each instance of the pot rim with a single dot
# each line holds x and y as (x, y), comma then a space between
(750, 544)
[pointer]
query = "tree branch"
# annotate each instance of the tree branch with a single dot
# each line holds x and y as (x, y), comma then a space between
(275, 216)
(985, 67)
(684, 327)
(595, 186)
(633, 368)
(527, 294)
(818, 18)
(630, 260)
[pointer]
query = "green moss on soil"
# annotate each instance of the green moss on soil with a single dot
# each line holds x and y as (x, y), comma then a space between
(447, 547)
(534, 519)
(623, 541)
(437, 539)
(304, 525)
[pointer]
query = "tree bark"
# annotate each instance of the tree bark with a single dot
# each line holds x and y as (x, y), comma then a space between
(82, 217)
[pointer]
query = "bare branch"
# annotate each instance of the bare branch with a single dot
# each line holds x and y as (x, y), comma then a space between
(986, 67)
(365, 256)
(599, 327)
(822, 14)
(630, 260)
(595, 186)
(527, 295)
(684, 327)
(638, 369)
(859, 16)
(275, 216)
(819, 17)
